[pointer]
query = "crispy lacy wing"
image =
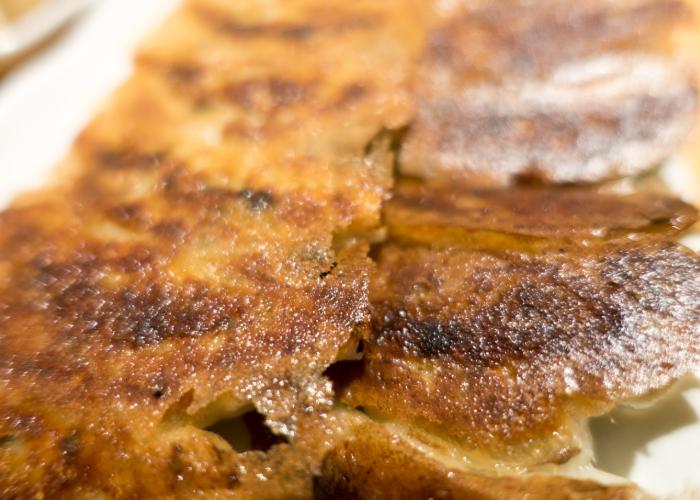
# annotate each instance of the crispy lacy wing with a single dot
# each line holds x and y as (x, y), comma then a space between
(548, 91)
(381, 463)
(183, 270)
(504, 348)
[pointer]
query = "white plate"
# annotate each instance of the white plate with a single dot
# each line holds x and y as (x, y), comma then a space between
(44, 104)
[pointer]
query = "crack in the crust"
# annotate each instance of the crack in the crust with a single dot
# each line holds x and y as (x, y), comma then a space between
(330, 270)
(344, 370)
(243, 427)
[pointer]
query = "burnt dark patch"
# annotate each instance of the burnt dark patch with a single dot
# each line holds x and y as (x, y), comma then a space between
(174, 231)
(433, 339)
(181, 188)
(176, 463)
(287, 92)
(536, 320)
(528, 41)
(143, 314)
(155, 314)
(387, 138)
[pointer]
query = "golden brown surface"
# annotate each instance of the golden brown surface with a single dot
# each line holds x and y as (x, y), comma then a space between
(378, 464)
(205, 253)
(184, 270)
(426, 213)
(504, 346)
(550, 91)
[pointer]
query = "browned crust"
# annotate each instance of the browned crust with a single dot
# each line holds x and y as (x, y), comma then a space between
(552, 215)
(198, 256)
(548, 91)
(503, 346)
(188, 265)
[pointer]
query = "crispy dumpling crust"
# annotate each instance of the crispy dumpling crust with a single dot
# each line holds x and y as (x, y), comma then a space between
(504, 344)
(205, 252)
(548, 91)
(190, 263)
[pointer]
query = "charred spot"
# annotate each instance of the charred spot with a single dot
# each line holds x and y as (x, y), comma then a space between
(143, 314)
(195, 190)
(242, 94)
(156, 314)
(538, 319)
(125, 213)
(432, 339)
(542, 37)
(386, 138)
(158, 391)
(286, 92)
(257, 200)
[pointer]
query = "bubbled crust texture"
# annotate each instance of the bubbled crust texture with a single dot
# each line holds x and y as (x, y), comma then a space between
(551, 91)
(197, 256)
(505, 343)
(187, 255)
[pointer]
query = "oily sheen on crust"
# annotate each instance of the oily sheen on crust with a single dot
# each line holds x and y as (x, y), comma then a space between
(204, 254)
(503, 344)
(188, 266)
